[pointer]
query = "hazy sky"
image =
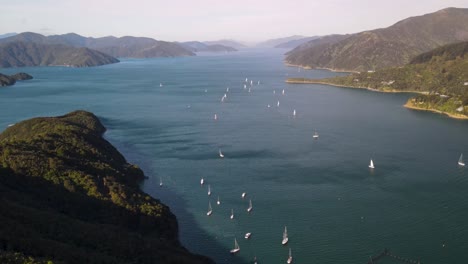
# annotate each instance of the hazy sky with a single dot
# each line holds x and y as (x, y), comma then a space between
(179, 20)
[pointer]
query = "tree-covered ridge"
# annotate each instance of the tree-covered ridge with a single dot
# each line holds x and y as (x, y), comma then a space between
(68, 195)
(441, 77)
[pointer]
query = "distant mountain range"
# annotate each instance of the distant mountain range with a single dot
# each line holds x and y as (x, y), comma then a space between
(20, 54)
(291, 44)
(7, 35)
(386, 47)
(271, 43)
(197, 46)
(134, 47)
(227, 42)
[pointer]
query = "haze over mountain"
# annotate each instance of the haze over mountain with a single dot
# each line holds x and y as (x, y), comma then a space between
(227, 42)
(197, 46)
(271, 43)
(6, 35)
(21, 54)
(132, 47)
(387, 47)
(295, 42)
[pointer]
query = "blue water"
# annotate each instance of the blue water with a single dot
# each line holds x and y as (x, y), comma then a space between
(337, 211)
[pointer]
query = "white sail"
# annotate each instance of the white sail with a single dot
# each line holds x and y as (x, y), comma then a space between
(243, 195)
(160, 85)
(215, 117)
(277, 104)
(209, 189)
(160, 182)
(371, 164)
(282, 92)
(290, 258)
(250, 206)
(294, 112)
(236, 247)
(232, 214)
(247, 235)
(221, 155)
(218, 202)
(210, 210)
(285, 236)
(202, 181)
(460, 160)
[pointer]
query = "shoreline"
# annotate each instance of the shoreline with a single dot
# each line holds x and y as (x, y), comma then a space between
(353, 87)
(412, 107)
(406, 105)
(318, 68)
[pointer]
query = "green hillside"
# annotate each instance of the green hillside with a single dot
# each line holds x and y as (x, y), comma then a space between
(440, 75)
(70, 197)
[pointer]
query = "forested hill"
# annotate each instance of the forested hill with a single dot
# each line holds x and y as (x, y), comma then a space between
(68, 196)
(442, 74)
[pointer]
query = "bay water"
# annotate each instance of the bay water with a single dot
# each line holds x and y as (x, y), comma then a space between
(160, 115)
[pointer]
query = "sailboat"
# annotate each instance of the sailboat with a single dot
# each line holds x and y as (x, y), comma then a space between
(247, 235)
(290, 258)
(371, 164)
(268, 106)
(258, 83)
(294, 112)
(274, 91)
(250, 206)
(202, 181)
(236, 247)
(246, 80)
(245, 86)
(282, 92)
(218, 202)
(460, 160)
(227, 90)
(251, 82)
(209, 189)
(221, 155)
(285, 236)
(215, 117)
(316, 135)
(160, 84)
(243, 195)
(232, 213)
(160, 182)
(210, 210)
(277, 104)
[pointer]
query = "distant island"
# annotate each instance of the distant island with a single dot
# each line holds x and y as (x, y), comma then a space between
(440, 77)
(68, 196)
(7, 80)
(385, 47)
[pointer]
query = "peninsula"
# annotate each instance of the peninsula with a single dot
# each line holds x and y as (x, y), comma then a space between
(440, 77)
(68, 196)
(6, 80)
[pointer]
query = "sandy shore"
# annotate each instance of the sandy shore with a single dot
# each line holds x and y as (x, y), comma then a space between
(410, 106)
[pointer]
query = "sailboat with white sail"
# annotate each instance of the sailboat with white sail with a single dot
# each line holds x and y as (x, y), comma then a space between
(232, 214)
(221, 155)
(218, 202)
(460, 161)
(316, 135)
(236, 247)
(371, 164)
(202, 181)
(290, 258)
(285, 236)
(210, 210)
(209, 190)
(250, 206)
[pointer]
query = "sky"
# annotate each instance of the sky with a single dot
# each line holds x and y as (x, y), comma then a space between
(185, 20)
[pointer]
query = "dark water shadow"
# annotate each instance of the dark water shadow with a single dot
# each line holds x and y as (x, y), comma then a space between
(177, 204)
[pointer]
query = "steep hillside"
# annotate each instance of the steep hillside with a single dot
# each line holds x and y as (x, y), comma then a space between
(20, 54)
(291, 44)
(271, 43)
(387, 47)
(440, 75)
(70, 197)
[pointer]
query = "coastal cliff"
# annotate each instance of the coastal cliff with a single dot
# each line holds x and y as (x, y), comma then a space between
(68, 196)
